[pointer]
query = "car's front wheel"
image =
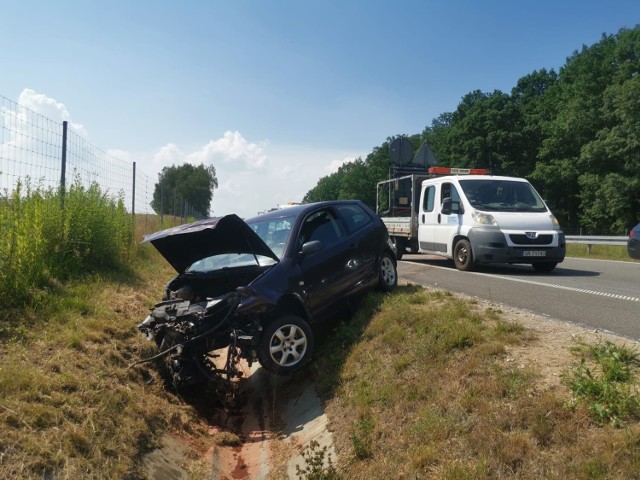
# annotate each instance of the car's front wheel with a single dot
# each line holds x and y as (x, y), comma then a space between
(285, 345)
(388, 274)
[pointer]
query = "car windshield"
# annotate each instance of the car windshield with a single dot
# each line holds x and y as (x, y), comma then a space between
(502, 196)
(229, 260)
(274, 232)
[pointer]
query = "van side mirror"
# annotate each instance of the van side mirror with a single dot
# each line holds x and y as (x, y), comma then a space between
(446, 206)
(449, 206)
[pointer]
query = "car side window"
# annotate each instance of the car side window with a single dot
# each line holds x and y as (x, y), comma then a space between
(429, 196)
(322, 225)
(353, 216)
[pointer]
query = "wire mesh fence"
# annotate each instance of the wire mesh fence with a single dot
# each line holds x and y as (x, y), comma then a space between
(43, 153)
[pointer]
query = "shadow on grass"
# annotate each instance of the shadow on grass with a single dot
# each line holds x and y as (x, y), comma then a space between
(335, 342)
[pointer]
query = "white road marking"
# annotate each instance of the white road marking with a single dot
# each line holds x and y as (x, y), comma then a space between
(541, 284)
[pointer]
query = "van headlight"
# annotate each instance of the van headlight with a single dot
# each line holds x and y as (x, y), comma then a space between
(554, 222)
(483, 218)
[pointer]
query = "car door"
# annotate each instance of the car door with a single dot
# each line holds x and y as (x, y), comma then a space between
(324, 272)
(364, 245)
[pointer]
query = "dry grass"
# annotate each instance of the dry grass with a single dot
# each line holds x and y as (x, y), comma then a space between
(418, 385)
(69, 405)
(425, 389)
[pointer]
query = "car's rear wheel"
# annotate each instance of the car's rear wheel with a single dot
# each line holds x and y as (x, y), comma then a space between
(388, 275)
(285, 345)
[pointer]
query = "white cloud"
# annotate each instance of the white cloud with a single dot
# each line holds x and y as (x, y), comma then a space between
(336, 164)
(253, 176)
(233, 149)
(168, 155)
(50, 108)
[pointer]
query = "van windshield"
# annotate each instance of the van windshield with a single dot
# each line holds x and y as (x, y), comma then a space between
(502, 196)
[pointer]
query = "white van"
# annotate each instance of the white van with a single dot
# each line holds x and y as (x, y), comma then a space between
(478, 219)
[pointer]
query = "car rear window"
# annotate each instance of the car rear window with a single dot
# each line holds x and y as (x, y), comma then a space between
(354, 216)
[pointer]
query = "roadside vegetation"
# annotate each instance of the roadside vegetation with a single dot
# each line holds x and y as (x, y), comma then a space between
(74, 285)
(47, 236)
(419, 385)
(600, 252)
(572, 133)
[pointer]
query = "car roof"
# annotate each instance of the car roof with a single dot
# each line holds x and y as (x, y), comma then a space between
(296, 210)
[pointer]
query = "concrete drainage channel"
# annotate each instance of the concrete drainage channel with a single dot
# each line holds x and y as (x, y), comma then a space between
(280, 417)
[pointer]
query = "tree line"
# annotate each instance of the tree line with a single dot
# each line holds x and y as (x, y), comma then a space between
(575, 134)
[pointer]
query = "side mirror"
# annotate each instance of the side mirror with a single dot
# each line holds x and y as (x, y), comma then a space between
(449, 206)
(312, 247)
(446, 206)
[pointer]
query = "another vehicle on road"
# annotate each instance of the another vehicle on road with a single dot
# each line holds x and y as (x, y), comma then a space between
(472, 218)
(258, 286)
(633, 244)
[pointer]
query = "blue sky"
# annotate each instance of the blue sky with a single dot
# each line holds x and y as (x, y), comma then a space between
(276, 94)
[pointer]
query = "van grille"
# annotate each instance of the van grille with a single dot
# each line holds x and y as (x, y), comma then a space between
(520, 239)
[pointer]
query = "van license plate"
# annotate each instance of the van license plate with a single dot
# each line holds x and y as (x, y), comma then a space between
(534, 253)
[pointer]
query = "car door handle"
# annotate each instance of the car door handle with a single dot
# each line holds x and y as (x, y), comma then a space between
(438, 218)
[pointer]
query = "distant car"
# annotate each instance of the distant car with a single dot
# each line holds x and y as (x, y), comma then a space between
(259, 285)
(633, 244)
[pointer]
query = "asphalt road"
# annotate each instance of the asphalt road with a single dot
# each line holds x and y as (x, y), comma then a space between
(598, 294)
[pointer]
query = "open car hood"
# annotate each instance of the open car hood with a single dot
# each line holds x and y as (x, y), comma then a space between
(183, 245)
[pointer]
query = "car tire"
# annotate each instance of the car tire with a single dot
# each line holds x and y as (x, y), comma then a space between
(463, 256)
(544, 267)
(387, 273)
(286, 345)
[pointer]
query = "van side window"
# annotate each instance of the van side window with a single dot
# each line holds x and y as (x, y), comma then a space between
(449, 190)
(429, 197)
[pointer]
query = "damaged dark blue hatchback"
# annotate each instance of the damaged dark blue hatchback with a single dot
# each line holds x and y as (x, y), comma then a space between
(258, 286)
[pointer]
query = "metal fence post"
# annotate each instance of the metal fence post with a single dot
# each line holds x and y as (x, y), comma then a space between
(133, 193)
(63, 173)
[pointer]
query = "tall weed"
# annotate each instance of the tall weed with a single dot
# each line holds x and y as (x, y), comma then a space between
(45, 237)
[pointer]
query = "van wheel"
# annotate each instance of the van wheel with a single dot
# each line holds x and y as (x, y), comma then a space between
(544, 267)
(400, 245)
(285, 345)
(463, 256)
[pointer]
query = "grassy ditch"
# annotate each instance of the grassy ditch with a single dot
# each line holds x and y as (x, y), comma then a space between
(69, 405)
(600, 252)
(419, 385)
(73, 285)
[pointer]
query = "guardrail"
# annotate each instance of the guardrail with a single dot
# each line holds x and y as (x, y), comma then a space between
(596, 240)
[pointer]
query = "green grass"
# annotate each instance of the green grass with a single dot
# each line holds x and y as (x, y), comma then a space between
(601, 252)
(609, 386)
(418, 385)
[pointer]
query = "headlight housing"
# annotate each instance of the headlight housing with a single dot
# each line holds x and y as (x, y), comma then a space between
(483, 218)
(554, 222)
